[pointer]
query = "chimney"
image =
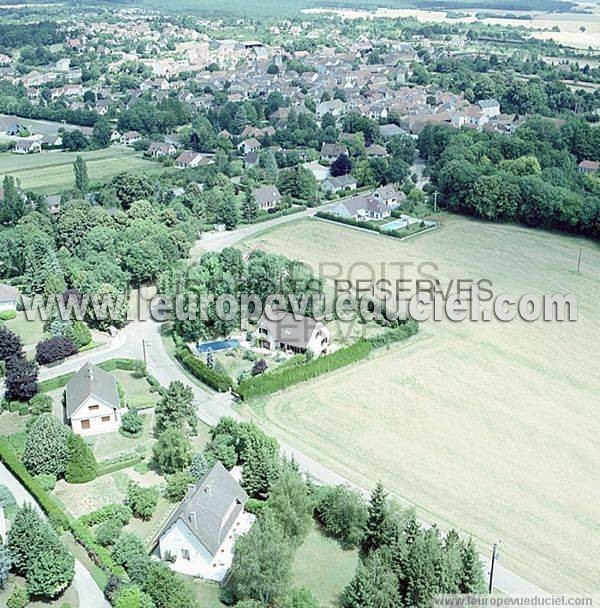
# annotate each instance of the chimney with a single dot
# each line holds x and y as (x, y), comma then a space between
(208, 490)
(192, 518)
(90, 372)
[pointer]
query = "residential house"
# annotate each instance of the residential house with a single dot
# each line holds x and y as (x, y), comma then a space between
(588, 166)
(389, 195)
(199, 537)
(330, 152)
(52, 141)
(130, 138)
(251, 159)
(249, 145)
(267, 197)
(27, 145)
(52, 201)
(376, 151)
(292, 333)
(9, 296)
(160, 149)
(489, 107)
(390, 130)
(337, 184)
(92, 400)
(189, 159)
(362, 208)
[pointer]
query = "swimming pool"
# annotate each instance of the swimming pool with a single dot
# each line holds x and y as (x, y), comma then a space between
(396, 224)
(217, 345)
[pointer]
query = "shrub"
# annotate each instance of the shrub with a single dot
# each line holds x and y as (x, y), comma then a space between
(132, 424)
(343, 514)
(7, 500)
(133, 597)
(260, 367)
(10, 344)
(80, 334)
(46, 450)
(139, 369)
(172, 452)
(108, 532)
(142, 500)
(47, 482)
(19, 598)
(54, 349)
(8, 315)
(177, 486)
(199, 369)
(40, 404)
(82, 466)
(120, 513)
(277, 379)
(20, 380)
(126, 548)
(222, 448)
(394, 334)
(198, 467)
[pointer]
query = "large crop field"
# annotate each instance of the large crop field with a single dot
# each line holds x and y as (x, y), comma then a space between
(52, 172)
(491, 427)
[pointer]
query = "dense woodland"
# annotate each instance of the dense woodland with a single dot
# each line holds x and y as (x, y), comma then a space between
(530, 177)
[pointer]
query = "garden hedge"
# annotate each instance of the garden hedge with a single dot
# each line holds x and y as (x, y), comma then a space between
(333, 217)
(199, 369)
(56, 515)
(394, 334)
(270, 382)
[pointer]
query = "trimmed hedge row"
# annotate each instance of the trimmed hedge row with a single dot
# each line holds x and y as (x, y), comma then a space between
(199, 369)
(119, 512)
(56, 515)
(332, 217)
(395, 334)
(270, 382)
(32, 485)
(282, 213)
(111, 467)
(108, 366)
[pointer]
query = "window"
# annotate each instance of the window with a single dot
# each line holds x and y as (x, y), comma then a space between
(85, 424)
(105, 418)
(185, 554)
(93, 408)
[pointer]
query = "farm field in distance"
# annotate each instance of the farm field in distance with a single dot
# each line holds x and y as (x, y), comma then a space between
(487, 426)
(52, 172)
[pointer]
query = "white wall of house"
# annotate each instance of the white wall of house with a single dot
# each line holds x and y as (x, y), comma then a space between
(94, 417)
(178, 539)
(8, 305)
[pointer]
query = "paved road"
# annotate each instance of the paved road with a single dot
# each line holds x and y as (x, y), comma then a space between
(89, 594)
(211, 406)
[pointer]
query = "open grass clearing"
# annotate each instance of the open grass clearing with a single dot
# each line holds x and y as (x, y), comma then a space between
(30, 332)
(68, 597)
(52, 172)
(324, 568)
(490, 427)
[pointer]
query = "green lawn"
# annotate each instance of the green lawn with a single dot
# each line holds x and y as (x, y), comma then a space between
(69, 597)
(31, 332)
(52, 172)
(324, 568)
(137, 390)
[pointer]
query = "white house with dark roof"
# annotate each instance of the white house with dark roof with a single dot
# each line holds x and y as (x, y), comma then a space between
(292, 333)
(92, 399)
(199, 537)
(267, 197)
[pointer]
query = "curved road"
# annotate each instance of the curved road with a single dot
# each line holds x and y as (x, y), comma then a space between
(211, 406)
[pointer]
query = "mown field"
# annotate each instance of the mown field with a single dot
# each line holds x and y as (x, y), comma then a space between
(52, 172)
(488, 426)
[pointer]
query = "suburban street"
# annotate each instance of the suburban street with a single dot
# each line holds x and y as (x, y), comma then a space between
(139, 336)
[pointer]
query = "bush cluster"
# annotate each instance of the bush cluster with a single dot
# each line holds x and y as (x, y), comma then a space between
(218, 381)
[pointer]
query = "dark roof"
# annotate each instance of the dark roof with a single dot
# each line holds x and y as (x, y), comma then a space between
(91, 380)
(210, 508)
(266, 194)
(294, 330)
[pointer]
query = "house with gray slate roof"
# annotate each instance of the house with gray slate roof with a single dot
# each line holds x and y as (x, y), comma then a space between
(93, 404)
(199, 537)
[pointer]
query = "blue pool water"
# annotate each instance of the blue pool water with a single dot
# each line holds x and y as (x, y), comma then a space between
(217, 345)
(395, 225)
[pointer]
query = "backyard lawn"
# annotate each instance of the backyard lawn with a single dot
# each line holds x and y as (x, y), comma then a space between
(52, 172)
(31, 332)
(324, 568)
(68, 598)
